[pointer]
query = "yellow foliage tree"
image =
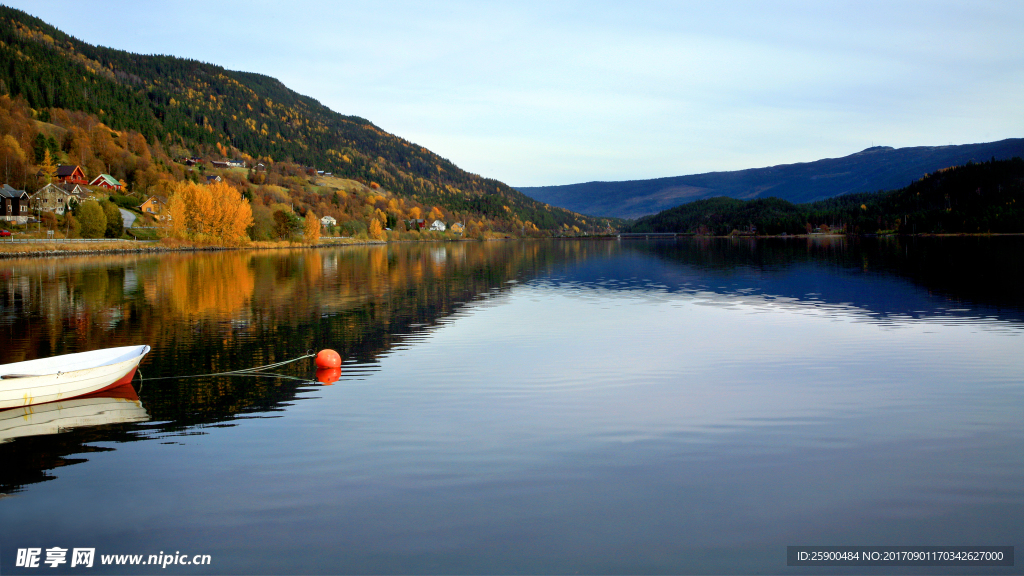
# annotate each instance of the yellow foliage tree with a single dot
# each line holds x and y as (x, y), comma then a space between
(435, 214)
(13, 160)
(311, 234)
(216, 213)
(47, 167)
(376, 230)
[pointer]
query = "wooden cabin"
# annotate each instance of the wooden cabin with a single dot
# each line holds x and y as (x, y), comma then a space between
(71, 175)
(14, 205)
(106, 181)
(155, 206)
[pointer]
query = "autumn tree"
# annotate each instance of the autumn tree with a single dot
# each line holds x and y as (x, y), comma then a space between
(92, 220)
(115, 222)
(376, 230)
(215, 213)
(47, 167)
(311, 233)
(13, 157)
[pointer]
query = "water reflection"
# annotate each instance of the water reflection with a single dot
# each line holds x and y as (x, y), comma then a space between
(882, 279)
(115, 406)
(215, 287)
(215, 312)
(205, 313)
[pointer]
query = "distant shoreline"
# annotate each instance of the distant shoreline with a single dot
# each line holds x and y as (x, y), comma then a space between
(656, 235)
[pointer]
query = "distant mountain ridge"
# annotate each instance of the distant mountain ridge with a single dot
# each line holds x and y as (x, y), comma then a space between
(871, 170)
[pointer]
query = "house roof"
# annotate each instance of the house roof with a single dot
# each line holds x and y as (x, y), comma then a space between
(160, 199)
(64, 170)
(56, 186)
(108, 179)
(73, 188)
(9, 192)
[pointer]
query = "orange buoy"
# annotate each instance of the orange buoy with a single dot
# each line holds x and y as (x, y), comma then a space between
(328, 358)
(328, 376)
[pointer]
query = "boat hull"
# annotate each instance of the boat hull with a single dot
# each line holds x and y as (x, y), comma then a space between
(69, 376)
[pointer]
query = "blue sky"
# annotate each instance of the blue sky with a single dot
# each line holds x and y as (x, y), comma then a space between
(543, 93)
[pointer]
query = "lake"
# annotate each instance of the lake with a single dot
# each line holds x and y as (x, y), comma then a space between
(689, 406)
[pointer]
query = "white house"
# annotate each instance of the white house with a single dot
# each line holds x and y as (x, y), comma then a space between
(328, 221)
(437, 226)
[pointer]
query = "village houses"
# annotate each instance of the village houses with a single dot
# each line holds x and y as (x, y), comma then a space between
(57, 197)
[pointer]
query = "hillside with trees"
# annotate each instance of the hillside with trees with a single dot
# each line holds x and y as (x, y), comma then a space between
(986, 197)
(137, 117)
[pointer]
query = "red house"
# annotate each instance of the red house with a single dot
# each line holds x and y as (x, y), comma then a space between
(71, 174)
(106, 181)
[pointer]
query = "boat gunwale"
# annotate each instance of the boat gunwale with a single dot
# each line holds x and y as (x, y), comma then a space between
(110, 356)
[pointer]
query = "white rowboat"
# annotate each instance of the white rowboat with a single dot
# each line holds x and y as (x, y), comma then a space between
(68, 376)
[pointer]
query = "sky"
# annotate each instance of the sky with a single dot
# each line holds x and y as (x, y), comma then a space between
(537, 93)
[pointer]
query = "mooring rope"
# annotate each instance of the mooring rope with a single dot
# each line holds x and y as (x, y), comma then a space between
(257, 371)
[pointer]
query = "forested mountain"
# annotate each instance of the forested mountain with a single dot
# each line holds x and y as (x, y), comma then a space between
(873, 169)
(188, 107)
(974, 198)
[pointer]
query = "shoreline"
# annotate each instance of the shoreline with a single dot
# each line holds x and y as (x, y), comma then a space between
(48, 249)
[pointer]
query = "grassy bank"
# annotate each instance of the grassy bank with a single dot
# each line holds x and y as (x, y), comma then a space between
(72, 248)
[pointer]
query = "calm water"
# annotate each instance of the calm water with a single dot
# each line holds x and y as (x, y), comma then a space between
(603, 407)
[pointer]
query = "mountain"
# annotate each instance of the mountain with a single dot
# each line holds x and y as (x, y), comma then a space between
(204, 109)
(873, 169)
(984, 197)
